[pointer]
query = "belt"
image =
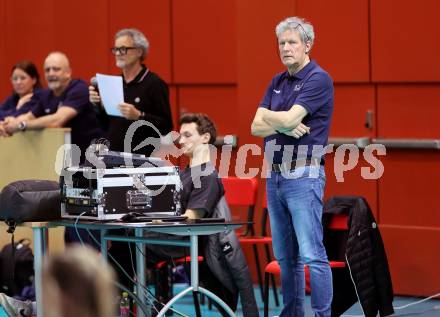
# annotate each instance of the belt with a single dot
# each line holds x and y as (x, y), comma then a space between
(289, 166)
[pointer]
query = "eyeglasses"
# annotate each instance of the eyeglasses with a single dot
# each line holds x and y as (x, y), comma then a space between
(122, 50)
(295, 25)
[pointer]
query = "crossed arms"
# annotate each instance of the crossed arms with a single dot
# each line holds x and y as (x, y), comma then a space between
(267, 122)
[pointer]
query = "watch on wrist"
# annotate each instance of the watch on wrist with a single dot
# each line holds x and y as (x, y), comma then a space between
(22, 126)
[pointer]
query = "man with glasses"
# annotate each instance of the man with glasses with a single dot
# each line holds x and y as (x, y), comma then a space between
(294, 120)
(145, 93)
(146, 98)
(64, 104)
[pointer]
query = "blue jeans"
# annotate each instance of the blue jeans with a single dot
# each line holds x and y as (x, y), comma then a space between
(295, 209)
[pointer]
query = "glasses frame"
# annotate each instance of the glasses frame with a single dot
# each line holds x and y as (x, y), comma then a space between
(123, 50)
(304, 31)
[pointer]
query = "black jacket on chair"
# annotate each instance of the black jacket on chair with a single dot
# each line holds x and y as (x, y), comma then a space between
(366, 259)
(225, 259)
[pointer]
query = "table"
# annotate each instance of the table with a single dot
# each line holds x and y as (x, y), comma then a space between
(193, 230)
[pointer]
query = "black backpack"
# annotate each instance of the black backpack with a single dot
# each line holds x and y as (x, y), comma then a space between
(16, 267)
(30, 200)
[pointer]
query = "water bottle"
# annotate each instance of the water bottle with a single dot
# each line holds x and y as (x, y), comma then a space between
(124, 305)
(134, 306)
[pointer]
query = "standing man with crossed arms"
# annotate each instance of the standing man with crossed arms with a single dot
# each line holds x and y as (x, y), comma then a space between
(294, 120)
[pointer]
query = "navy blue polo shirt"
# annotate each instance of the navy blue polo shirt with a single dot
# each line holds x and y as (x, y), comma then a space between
(311, 88)
(84, 125)
(9, 107)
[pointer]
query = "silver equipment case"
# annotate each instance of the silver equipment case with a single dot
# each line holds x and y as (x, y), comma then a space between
(106, 194)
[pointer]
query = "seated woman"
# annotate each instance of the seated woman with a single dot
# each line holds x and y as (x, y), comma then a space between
(25, 81)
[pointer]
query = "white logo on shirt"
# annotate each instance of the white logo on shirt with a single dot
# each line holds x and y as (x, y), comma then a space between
(297, 87)
(137, 99)
(277, 91)
(47, 110)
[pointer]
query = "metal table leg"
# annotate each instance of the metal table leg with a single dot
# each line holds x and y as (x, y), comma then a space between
(194, 250)
(39, 247)
(140, 271)
(104, 251)
(195, 288)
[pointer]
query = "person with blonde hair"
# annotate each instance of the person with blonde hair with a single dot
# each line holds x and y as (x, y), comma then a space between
(78, 283)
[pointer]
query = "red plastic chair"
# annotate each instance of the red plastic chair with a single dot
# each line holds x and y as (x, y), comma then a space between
(266, 239)
(338, 222)
(243, 192)
(182, 260)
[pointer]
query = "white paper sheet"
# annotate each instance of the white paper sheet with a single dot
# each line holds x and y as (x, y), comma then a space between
(111, 93)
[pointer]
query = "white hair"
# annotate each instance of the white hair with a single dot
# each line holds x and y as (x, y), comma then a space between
(138, 37)
(300, 25)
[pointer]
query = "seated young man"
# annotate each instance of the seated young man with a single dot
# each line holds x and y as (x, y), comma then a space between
(201, 197)
(201, 194)
(202, 188)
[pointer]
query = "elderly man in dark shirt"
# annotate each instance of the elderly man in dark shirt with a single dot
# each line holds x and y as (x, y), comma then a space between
(146, 95)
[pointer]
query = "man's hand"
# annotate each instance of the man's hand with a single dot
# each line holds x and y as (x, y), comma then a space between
(94, 96)
(299, 131)
(168, 147)
(3, 132)
(194, 213)
(285, 120)
(129, 111)
(11, 125)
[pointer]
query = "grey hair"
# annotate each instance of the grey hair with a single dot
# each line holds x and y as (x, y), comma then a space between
(303, 27)
(138, 37)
